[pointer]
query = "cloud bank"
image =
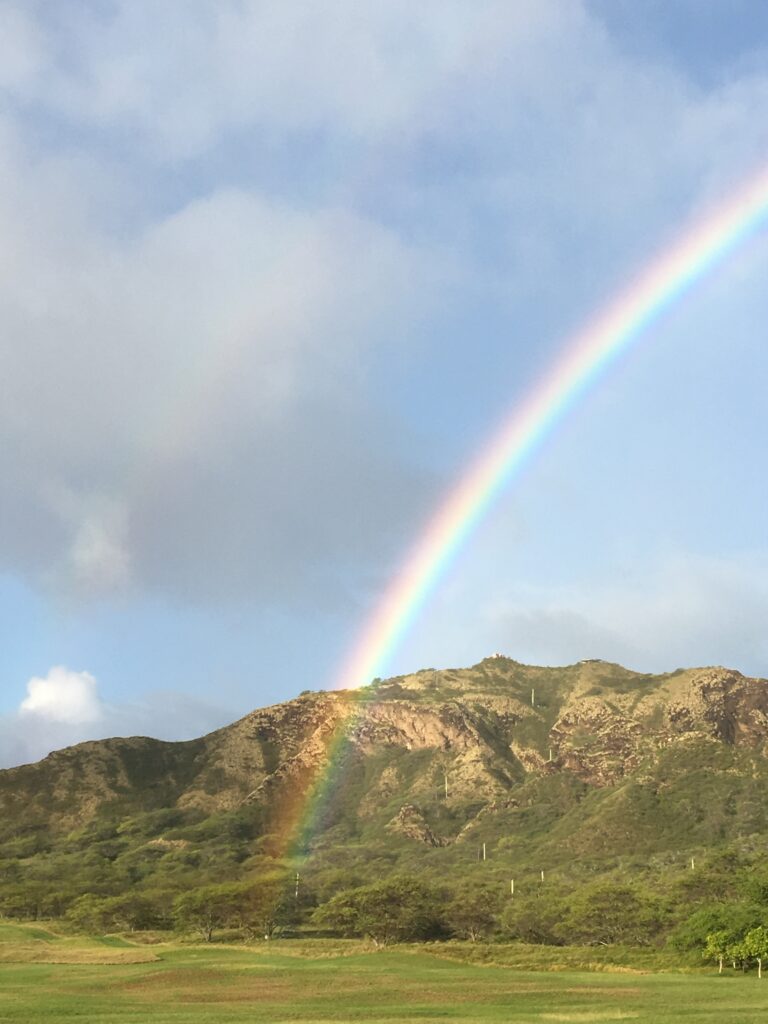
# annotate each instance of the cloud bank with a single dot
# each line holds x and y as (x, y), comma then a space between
(678, 611)
(193, 357)
(175, 374)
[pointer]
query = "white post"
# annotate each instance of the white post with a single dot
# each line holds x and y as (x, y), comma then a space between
(533, 697)
(511, 887)
(483, 851)
(550, 753)
(296, 894)
(542, 876)
(693, 864)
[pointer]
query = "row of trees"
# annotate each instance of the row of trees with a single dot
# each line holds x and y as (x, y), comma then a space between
(405, 908)
(399, 908)
(740, 950)
(396, 910)
(257, 908)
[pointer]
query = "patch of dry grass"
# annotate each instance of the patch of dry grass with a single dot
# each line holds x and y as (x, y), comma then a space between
(63, 953)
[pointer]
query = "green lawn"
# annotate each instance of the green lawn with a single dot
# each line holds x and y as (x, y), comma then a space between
(199, 985)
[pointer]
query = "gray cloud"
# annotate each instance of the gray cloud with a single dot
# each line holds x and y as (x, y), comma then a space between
(680, 611)
(191, 405)
(184, 408)
(180, 77)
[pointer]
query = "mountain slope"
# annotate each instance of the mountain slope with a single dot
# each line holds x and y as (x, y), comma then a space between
(546, 766)
(487, 729)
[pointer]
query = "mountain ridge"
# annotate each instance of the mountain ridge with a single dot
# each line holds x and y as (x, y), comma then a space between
(491, 726)
(496, 771)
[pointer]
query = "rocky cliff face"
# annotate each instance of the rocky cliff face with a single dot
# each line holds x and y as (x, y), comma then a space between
(469, 743)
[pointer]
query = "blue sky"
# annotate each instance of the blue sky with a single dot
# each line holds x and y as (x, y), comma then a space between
(272, 275)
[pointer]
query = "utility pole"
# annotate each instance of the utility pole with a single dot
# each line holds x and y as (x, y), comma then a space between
(444, 768)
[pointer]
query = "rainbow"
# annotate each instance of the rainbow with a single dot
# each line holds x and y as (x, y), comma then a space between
(583, 359)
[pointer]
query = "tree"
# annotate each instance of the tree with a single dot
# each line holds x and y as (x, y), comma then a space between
(99, 915)
(24, 899)
(533, 919)
(734, 920)
(694, 931)
(207, 908)
(737, 954)
(130, 912)
(473, 913)
(89, 914)
(717, 946)
(756, 946)
(395, 910)
(267, 905)
(606, 913)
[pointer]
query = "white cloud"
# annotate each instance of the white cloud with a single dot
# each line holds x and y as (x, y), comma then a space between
(63, 696)
(65, 708)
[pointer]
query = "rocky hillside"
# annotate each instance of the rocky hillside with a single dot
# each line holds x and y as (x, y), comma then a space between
(438, 757)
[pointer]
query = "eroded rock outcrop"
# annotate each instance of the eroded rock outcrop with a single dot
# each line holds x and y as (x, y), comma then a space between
(410, 823)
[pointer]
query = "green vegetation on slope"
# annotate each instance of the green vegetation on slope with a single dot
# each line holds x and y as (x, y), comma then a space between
(620, 805)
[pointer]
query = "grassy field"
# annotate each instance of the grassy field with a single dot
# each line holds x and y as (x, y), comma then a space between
(58, 979)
